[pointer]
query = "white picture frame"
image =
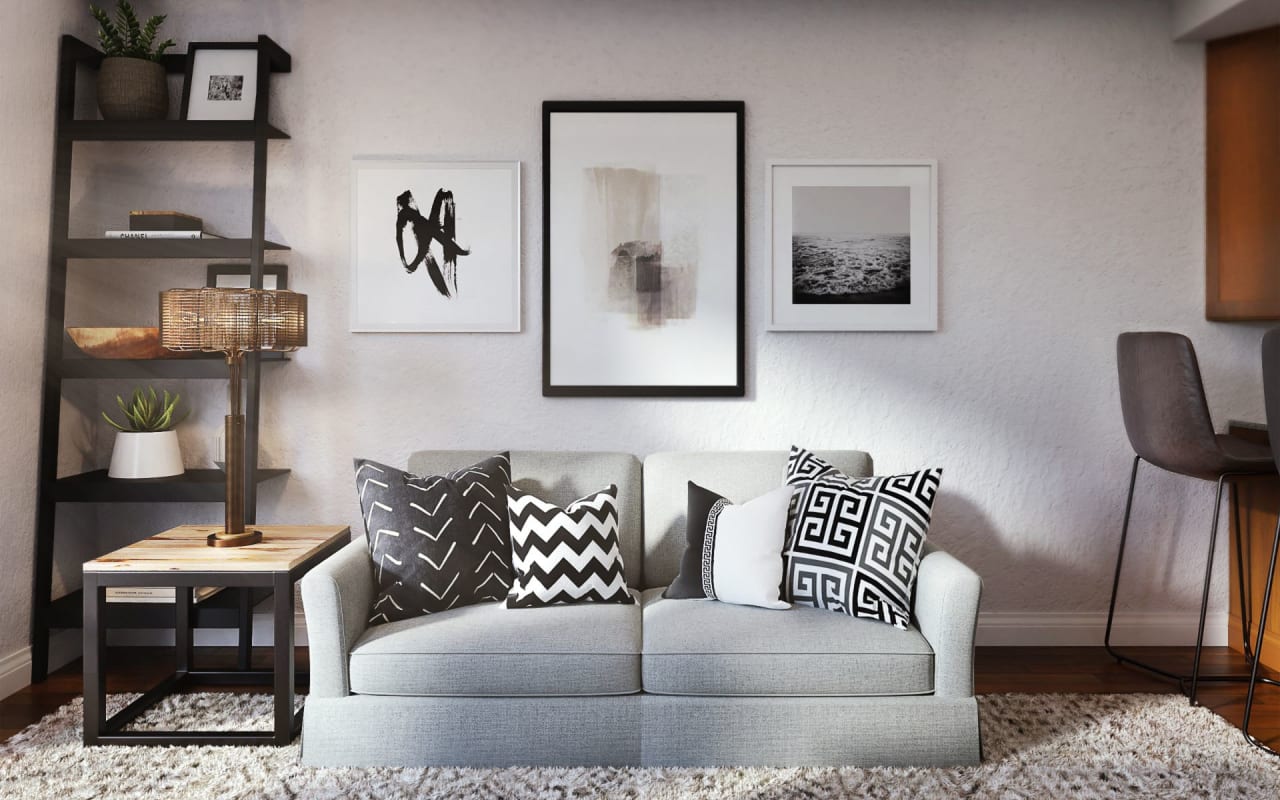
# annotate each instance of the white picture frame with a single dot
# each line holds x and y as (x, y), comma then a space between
(425, 291)
(221, 82)
(853, 244)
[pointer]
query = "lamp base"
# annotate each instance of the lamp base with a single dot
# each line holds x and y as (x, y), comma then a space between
(224, 539)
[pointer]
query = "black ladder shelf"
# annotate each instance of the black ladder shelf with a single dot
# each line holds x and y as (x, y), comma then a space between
(227, 609)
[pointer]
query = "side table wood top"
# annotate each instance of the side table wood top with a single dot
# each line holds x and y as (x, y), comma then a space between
(183, 549)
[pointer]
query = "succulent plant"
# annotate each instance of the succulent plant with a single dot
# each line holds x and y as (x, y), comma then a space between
(147, 412)
(126, 36)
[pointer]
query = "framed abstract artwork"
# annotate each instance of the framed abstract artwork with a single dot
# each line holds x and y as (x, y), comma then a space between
(435, 246)
(643, 249)
(853, 245)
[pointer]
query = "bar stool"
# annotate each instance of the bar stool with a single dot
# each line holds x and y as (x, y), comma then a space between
(1271, 391)
(1168, 423)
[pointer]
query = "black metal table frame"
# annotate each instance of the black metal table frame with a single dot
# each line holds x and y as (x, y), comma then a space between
(101, 729)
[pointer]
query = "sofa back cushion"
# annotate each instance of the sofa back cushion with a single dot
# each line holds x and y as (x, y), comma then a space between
(562, 477)
(738, 476)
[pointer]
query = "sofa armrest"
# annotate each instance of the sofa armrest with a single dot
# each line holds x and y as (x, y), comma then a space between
(946, 611)
(336, 597)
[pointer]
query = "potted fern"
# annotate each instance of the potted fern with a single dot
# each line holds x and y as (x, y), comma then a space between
(131, 80)
(146, 442)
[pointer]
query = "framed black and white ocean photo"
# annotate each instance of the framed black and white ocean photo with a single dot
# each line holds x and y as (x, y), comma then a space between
(435, 246)
(643, 249)
(853, 245)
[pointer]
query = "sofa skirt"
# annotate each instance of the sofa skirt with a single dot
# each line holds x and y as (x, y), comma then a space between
(640, 730)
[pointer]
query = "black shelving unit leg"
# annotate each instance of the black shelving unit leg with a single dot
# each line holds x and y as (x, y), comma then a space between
(51, 400)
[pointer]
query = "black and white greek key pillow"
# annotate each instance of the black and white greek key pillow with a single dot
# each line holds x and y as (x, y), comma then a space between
(566, 555)
(854, 544)
(733, 552)
(437, 542)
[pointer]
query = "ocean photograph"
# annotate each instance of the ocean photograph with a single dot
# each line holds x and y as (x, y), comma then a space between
(850, 245)
(843, 269)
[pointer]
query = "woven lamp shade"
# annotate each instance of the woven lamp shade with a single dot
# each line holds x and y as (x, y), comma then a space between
(232, 320)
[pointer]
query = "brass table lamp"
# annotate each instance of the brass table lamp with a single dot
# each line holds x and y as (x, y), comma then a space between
(233, 322)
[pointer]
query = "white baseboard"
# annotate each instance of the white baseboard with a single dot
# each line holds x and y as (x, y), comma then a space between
(263, 635)
(15, 671)
(1087, 628)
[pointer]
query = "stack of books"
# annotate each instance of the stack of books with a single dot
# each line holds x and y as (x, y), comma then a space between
(154, 594)
(162, 225)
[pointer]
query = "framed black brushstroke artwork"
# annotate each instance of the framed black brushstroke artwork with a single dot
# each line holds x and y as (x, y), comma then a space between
(435, 246)
(642, 249)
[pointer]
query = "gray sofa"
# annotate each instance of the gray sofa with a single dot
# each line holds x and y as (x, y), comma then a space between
(659, 683)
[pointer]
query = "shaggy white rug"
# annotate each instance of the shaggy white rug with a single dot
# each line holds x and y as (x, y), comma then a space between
(1037, 746)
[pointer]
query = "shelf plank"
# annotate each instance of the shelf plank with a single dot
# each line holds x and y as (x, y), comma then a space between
(213, 368)
(164, 130)
(160, 248)
(193, 486)
(219, 611)
(78, 50)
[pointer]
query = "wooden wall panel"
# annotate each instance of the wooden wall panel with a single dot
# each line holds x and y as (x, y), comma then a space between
(1243, 177)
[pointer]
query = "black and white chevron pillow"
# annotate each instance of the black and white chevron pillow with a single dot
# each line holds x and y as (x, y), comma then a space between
(566, 555)
(436, 542)
(854, 544)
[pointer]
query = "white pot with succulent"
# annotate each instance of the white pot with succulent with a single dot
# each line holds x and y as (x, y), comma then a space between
(146, 443)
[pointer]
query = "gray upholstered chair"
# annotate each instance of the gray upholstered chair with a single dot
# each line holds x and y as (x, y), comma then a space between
(1168, 423)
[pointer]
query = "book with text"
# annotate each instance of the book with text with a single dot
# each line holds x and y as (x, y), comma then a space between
(160, 235)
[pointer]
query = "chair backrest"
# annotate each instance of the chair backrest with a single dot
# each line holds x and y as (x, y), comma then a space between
(1271, 387)
(1162, 397)
(739, 476)
(562, 477)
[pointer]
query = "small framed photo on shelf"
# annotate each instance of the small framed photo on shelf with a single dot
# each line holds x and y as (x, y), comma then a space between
(853, 245)
(221, 81)
(435, 246)
(236, 276)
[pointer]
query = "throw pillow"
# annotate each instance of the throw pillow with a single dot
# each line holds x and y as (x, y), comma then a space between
(566, 555)
(436, 542)
(854, 544)
(734, 553)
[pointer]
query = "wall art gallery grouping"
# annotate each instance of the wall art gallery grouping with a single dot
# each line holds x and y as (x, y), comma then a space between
(643, 247)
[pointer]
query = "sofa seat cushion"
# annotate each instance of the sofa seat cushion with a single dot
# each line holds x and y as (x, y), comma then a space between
(487, 650)
(703, 647)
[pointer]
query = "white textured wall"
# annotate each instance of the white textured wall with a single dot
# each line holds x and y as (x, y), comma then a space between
(1070, 142)
(28, 42)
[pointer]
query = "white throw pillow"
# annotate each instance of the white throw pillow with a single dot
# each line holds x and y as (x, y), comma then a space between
(734, 552)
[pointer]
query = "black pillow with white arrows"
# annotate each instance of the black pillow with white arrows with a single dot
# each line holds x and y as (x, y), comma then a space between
(437, 542)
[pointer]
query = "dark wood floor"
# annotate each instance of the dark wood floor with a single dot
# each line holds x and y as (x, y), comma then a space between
(999, 669)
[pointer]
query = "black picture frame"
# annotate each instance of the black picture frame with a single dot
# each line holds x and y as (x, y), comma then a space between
(261, 75)
(280, 271)
(550, 108)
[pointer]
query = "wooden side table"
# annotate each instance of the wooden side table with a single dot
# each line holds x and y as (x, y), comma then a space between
(181, 559)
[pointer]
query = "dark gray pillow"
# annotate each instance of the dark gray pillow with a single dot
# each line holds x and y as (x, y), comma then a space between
(436, 542)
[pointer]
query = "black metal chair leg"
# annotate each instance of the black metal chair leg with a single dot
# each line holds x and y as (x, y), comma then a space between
(1115, 582)
(1204, 595)
(1257, 649)
(1237, 533)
